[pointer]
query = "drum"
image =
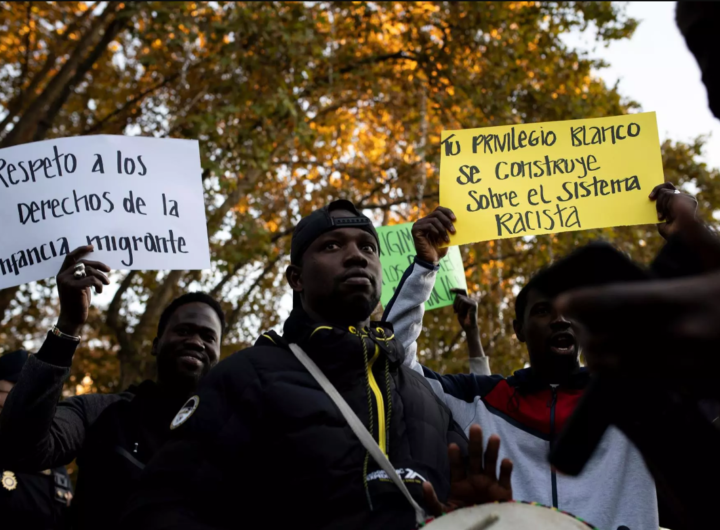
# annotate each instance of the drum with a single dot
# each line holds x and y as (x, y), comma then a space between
(512, 515)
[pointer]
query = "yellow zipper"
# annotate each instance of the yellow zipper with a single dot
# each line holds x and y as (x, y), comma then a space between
(380, 403)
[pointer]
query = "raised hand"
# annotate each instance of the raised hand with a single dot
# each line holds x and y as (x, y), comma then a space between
(466, 310)
(477, 483)
(673, 207)
(430, 234)
(76, 292)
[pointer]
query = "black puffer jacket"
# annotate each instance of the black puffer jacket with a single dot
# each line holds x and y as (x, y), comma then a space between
(262, 446)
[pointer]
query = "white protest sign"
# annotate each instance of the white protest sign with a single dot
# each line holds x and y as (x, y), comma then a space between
(138, 200)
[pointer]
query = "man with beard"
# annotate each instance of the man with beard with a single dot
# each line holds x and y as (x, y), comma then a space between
(262, 445)
(112, 436)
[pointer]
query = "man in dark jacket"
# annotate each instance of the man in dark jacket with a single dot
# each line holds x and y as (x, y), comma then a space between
(262, 446)
(30, 501)
(112, 436)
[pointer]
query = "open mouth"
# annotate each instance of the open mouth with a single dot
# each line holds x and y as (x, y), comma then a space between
(562, 343)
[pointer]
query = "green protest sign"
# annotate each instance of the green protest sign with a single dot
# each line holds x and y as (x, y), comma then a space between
(397, 252)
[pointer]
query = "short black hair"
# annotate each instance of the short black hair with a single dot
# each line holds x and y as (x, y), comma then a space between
(189, 298)
(521, 300)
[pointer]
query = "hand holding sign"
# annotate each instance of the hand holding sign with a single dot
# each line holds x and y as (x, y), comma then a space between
(399, 245)
(673, 207)
(430, 235)
(466, 310)
(137, 201)
(76, 292)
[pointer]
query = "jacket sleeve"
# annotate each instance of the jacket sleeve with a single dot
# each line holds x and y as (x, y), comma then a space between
(406, 308)
(480, 365)
(205, 477)
(37, 432)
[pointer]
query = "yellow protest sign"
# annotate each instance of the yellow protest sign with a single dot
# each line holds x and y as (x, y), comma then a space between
(542, 178)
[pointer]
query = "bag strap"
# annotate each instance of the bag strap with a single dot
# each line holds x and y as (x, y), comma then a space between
(358, 428)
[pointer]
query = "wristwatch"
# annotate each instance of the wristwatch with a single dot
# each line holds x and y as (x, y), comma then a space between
(55, 331)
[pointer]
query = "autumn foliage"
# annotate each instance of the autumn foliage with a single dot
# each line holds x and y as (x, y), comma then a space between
(296, 104)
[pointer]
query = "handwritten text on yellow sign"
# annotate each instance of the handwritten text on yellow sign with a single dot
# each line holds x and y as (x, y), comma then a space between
(542, 178)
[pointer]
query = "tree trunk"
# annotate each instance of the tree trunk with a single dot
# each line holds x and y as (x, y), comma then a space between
(155, 305)
(24, 129)
(115, 27)
(15, 106)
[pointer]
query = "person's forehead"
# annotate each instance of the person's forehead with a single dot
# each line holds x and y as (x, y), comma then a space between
(535, 296)
(197, 313)
(347, 233)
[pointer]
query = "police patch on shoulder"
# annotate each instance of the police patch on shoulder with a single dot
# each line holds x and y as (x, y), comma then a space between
(185, 412)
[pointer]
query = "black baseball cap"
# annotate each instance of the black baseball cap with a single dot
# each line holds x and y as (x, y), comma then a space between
(319, 222)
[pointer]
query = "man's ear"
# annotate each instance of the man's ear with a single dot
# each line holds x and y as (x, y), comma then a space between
(518, 327)
(293, 274)
(154, 347)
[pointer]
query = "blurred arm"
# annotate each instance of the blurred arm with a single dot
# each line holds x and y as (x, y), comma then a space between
(37, 432)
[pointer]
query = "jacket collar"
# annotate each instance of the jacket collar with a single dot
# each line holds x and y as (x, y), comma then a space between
(526, 381)
(321, 340)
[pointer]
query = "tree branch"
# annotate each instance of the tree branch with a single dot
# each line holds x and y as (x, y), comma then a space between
(235, 313)
(496, 258)
(26, 62)
(387, 206)
(376, 59)
(448, 349)
(26, 125)
(115, 27)
(113, 321)
(160, 298)
(229, 275)
(217, 215)
(179, 120)
(491, 343)
(16, 104)
(128, 104)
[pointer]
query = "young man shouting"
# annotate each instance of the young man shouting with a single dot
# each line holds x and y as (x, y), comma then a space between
(529, 408)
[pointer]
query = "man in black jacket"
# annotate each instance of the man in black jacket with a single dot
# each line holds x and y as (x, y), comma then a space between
(31, 501)
(112, 436)
(262, 446)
